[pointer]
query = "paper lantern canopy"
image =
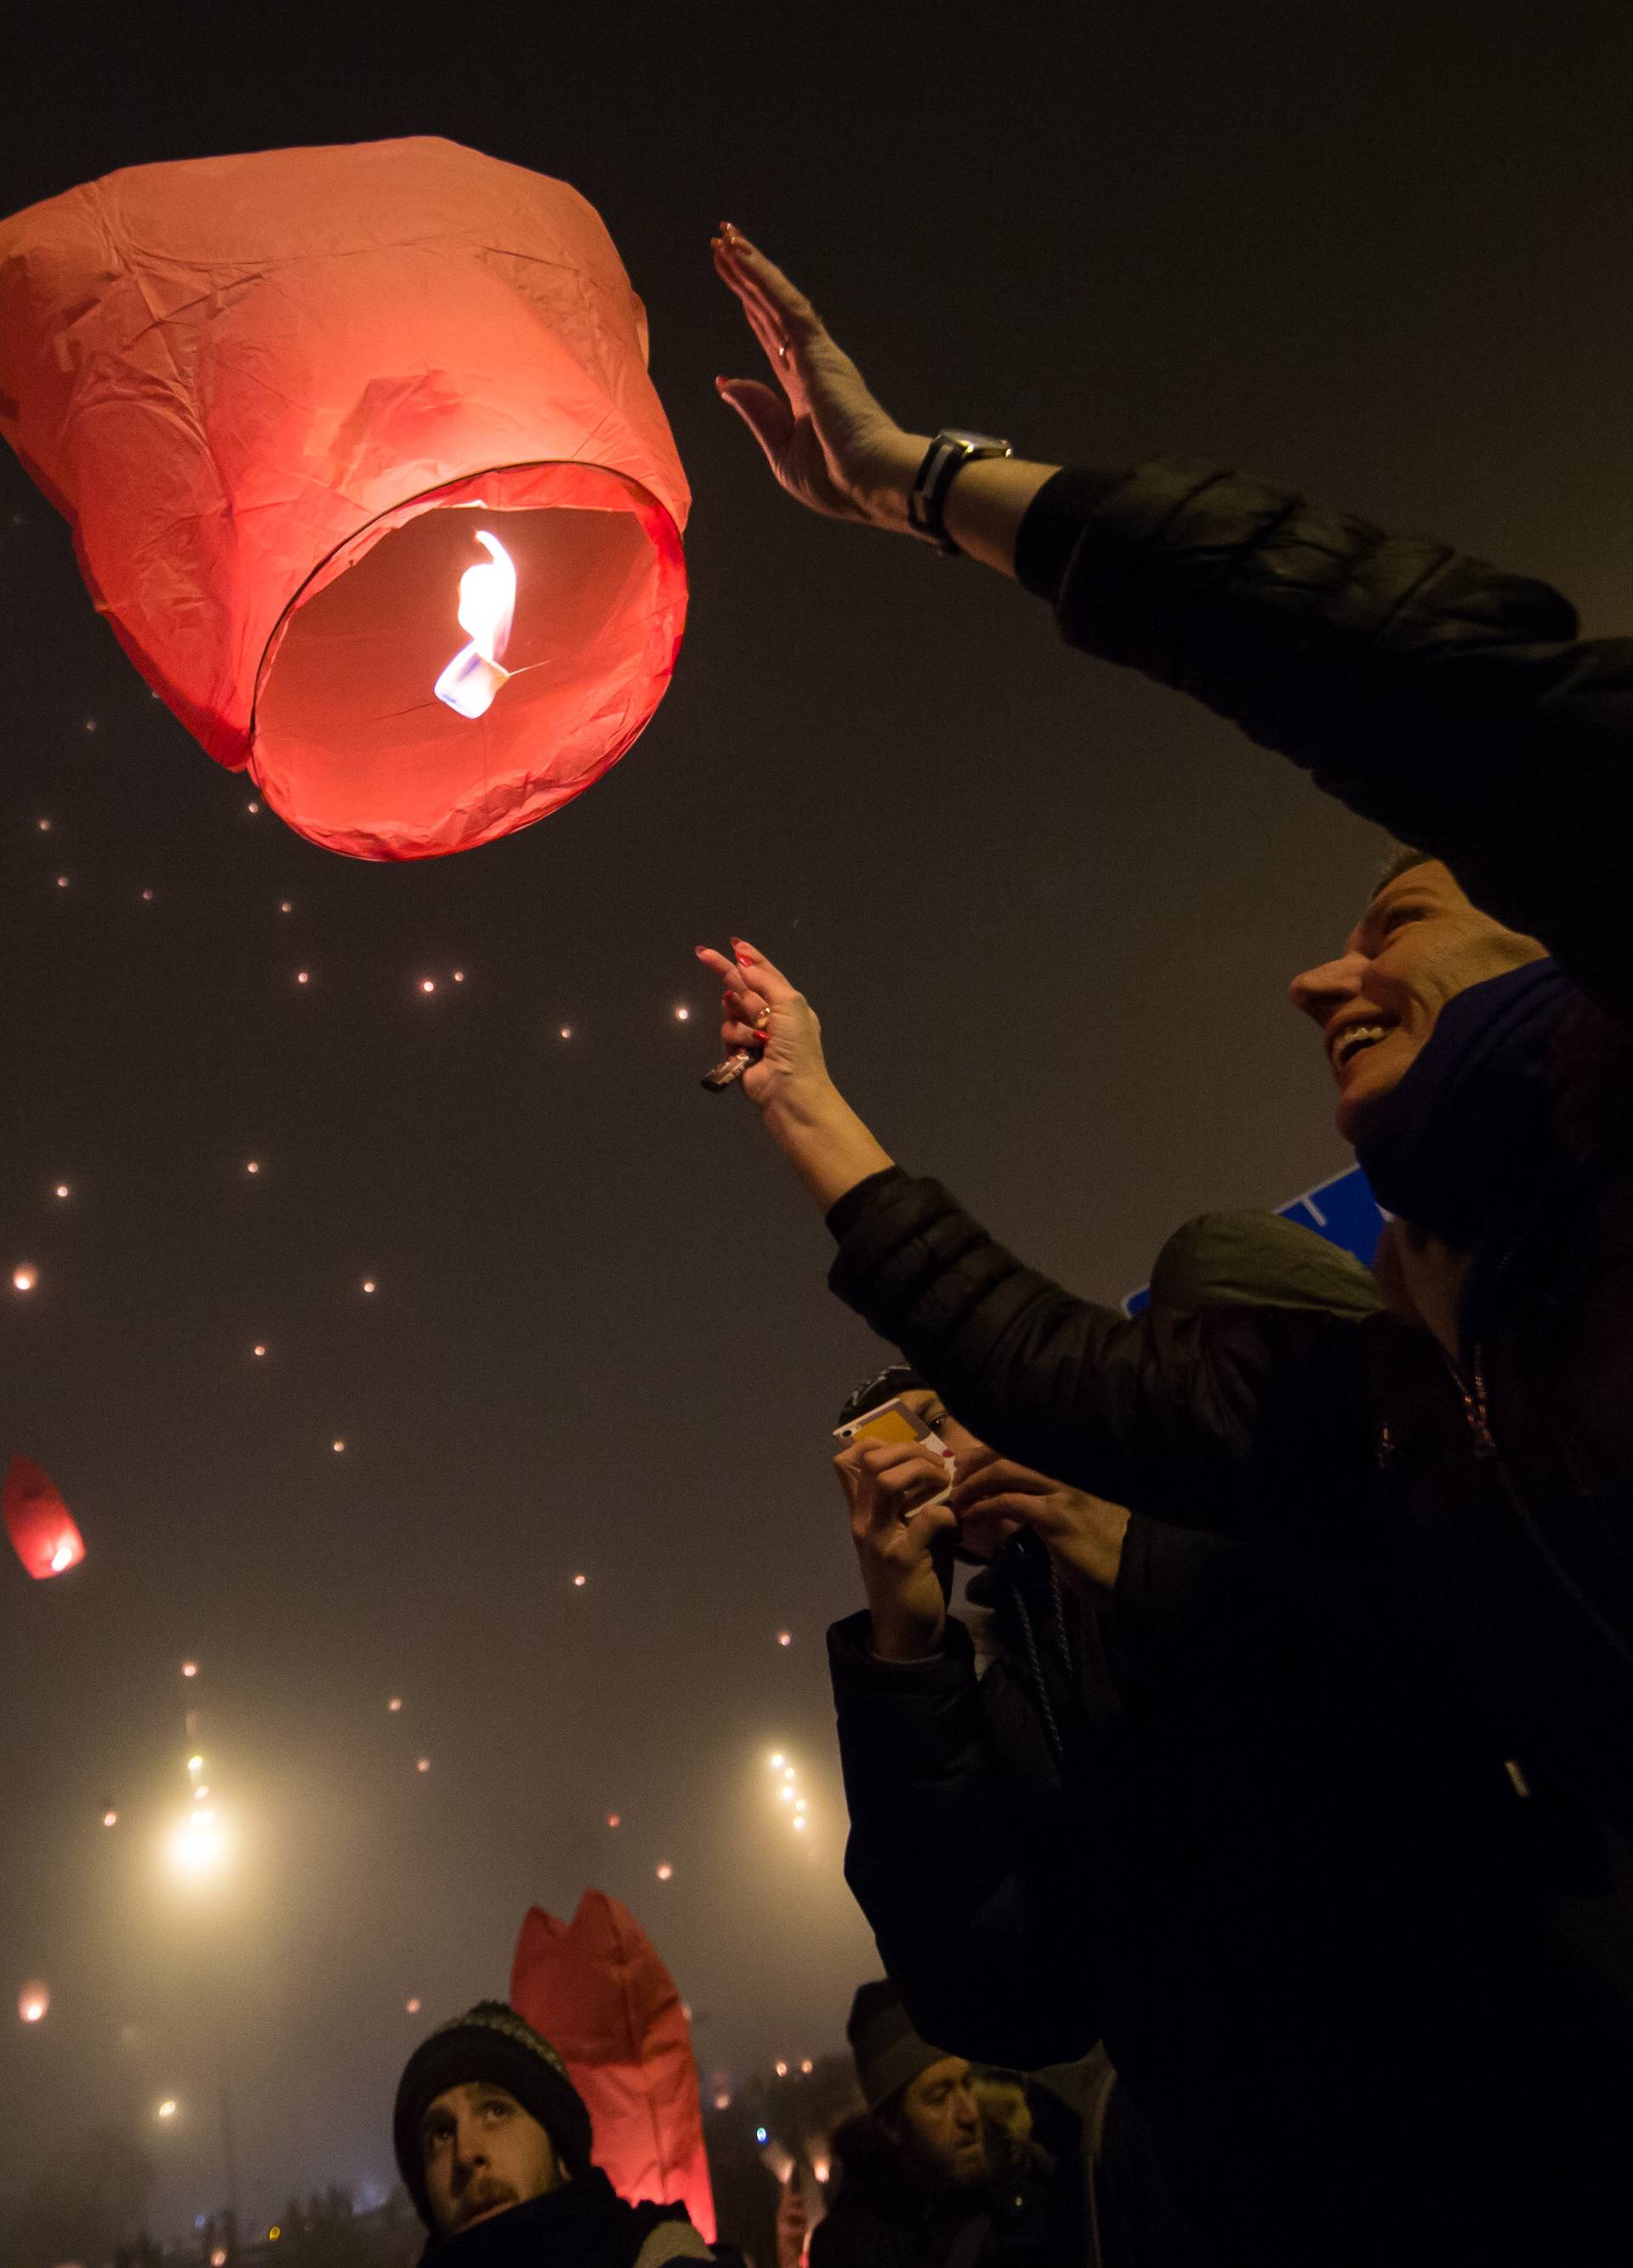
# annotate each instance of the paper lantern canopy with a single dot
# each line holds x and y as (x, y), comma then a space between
(597, 1989)
(40, 1526)
(365, 470)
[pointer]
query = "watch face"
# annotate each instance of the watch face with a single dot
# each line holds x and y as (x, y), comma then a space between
(986, 444)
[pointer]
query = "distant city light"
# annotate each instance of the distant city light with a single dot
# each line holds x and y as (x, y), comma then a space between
(31, 2003)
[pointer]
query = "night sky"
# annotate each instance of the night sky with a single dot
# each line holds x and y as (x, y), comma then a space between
(1046, 913)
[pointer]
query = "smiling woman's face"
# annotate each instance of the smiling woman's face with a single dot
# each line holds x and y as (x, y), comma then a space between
(483, 2152)
(1417, 945)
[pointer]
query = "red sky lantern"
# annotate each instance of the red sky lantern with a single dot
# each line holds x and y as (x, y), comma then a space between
(597, 1988)
(40, 1526)
(365, 470)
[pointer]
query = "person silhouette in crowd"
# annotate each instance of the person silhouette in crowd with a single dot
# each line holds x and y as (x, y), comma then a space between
(922, 2181)
(494, 2143)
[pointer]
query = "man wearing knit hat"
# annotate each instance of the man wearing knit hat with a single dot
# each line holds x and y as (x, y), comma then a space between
(494, 2143)
(920, 2185)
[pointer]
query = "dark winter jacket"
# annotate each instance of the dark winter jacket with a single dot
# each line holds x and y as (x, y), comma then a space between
(1458, 707)
(1225, 1825)
(585, 2224)
(882, 2217)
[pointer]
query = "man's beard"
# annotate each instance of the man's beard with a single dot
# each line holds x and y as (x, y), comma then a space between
(967, 2169)
(482, 2197)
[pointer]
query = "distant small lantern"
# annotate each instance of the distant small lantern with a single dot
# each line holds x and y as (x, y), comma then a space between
(31, 2003)
(313, 415)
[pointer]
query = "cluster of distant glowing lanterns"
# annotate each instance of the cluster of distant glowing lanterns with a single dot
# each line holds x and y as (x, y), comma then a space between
(799, 1809)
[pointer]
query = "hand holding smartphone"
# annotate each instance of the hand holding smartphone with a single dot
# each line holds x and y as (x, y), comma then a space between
(897, 1422)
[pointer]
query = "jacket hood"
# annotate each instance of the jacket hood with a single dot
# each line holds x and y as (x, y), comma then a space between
(1258, 1260)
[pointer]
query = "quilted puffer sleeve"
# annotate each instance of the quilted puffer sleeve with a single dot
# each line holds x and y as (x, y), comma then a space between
(1451, 702)
(1228, 1417)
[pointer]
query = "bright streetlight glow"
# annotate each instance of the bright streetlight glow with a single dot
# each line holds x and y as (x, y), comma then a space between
(198, 1848)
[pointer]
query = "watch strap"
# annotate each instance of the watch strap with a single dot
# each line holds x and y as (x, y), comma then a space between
(944, 460)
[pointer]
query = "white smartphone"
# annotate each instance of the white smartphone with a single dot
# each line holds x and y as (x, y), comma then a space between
(899, 1421)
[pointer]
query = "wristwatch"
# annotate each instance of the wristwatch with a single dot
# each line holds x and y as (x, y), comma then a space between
(944, 460)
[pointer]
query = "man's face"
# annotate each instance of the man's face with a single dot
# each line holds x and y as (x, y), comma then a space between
(1417, 945)
(483, 2152)
(942, 2123)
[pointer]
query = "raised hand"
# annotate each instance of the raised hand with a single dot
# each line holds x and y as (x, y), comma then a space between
(761, 1010)
(904, 1543)
(829, 444)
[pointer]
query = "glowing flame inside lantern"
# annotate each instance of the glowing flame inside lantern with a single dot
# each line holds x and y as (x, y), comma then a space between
(487, 602)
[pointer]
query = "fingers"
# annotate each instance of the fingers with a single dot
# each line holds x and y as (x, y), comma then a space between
(767, 415)
(763, 281)
(894, 1480)
(994, 1475)
(766, 978)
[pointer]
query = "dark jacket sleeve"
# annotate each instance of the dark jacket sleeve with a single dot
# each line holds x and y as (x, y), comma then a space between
(1224, 1417)
(969, 1918)
(1452, 703)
